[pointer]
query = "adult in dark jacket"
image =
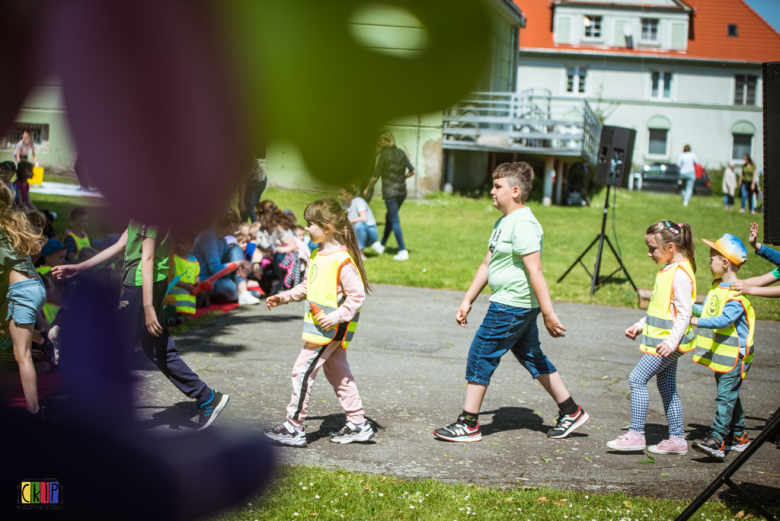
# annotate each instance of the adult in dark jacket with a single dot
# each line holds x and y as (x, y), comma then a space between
(394, 167)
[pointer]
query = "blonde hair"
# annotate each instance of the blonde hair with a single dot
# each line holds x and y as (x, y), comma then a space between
(328, 212)
(15, 226)
(387, 137)
(679, 234)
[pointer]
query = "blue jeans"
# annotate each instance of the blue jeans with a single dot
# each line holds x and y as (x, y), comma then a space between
(365, 234)
(393, 221)
(690, 180)
(252, 196)
(506, 328)
(746, 194)
(226, 288)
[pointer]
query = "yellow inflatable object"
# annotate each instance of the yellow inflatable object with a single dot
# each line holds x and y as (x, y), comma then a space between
(37, 177)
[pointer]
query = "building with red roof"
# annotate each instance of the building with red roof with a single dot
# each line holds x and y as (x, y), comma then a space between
(679, 72)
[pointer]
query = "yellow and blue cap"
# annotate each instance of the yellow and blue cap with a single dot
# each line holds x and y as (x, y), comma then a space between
(730, 247)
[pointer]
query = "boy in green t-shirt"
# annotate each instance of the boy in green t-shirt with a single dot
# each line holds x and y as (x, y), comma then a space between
(147, 254)
(513, 269)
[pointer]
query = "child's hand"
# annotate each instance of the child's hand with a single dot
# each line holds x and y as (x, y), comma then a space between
(741, 288)
(152, 324)
(273, 301)
(257, 270)
(694, 321)
(326, 323)
(244, 268)
(186, 286)
(463, 312)
(633, 331)
(554, 326)
(664, 349)
(754, 236)
(65, 272)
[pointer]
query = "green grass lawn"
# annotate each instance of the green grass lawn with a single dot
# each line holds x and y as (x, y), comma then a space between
(447, 239)
(300, 492)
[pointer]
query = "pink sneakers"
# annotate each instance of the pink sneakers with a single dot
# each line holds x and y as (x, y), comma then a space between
(673, 445)
(630, 441)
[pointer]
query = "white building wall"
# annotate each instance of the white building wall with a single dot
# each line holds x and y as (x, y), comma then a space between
(700, 110)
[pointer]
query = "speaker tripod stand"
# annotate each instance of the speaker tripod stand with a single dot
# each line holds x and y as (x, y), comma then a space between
(600, 239)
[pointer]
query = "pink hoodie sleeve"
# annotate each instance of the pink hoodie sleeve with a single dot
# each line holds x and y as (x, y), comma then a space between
(295, 294)
(355, 292)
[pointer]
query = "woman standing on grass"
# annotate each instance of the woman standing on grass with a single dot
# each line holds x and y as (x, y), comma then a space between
(687, 165)
(392, 167)
(747, 184)
(729, 187)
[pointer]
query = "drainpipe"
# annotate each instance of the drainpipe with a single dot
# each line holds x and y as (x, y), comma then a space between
(549, 171)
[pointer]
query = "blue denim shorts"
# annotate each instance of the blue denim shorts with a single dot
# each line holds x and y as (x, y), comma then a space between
(25, 299)
(506, 328)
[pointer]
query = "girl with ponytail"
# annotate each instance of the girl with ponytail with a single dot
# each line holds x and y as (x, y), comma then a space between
(666, 335)
(334, 288)
(21, 293)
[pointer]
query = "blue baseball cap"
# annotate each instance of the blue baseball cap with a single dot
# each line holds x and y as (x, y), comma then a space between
(53, 246)
(730, 247)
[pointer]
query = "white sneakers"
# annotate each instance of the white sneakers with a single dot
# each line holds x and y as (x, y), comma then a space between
(401, 256)
(246, 299)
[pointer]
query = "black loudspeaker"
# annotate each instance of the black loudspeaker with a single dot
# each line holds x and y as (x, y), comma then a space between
(616, 151)
(771, 82)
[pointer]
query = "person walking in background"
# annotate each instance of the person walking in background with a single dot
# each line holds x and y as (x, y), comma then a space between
(729, 187)
(251, 189)
(747, 184)
(394, 167)
(687, 165)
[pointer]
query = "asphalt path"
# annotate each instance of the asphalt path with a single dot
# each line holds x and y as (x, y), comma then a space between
(409, 357)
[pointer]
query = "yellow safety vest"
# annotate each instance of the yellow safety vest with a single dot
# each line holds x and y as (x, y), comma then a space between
(718, 349)
(50, 311)
(660, 319)
(322, 290)
(43, 270)
(189, 269)
(80, 242)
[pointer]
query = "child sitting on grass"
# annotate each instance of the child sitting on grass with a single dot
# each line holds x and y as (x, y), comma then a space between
(24, 172)
(52, 254)
(185, 267)
(725, 345)
(77, 238)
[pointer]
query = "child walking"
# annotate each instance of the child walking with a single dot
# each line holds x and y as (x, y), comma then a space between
(725, 345)
(513, 268)
(21, 294)
(666, 336)
(334, 288)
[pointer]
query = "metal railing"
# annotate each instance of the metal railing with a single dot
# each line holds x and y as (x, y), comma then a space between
(533, 121)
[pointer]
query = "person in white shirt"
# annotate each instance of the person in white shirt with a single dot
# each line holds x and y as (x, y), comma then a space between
(362, 219)
(687, 164)
(729, 187)
(25, 147)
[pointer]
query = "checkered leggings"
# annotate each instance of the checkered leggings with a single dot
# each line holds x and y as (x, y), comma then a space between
(665, 371)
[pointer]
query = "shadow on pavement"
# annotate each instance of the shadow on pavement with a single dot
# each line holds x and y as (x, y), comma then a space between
(181, 416)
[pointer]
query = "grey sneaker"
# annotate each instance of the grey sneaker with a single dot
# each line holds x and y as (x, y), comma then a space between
(286, 434)
(350, 432)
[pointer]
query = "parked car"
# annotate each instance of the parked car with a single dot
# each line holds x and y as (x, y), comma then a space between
(665, 177)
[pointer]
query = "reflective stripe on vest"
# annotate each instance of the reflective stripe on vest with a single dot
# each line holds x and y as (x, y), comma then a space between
(660, 319)
(322, 290)
(718, 349)
(189, 269)
(43, 270)
(81, 242)
(50, 311)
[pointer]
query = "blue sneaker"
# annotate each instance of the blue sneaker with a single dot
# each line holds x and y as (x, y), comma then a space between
(210, 409)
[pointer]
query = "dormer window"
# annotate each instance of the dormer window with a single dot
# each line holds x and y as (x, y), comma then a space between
(650, 30)
(733, 32)
(592, 26)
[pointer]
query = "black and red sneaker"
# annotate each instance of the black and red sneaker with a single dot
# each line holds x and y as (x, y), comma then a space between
(459, 431)
(736, 443)
(567, 423)
(711, 446)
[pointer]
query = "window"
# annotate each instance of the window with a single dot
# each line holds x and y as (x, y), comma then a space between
(40, 135)
(649, 29)
(592, 26)
(658, 142)
(743, 144)
(662, 85)
(575, 80)
(745, 92)
(733, 30)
